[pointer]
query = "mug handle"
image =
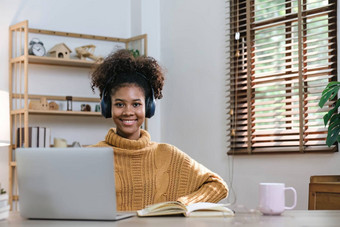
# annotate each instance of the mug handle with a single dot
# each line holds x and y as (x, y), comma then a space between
(294, 191)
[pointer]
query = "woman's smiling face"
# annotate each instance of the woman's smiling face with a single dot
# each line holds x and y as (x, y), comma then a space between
(128, 110)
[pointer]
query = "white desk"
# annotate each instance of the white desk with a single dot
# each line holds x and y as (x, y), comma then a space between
(289, 218)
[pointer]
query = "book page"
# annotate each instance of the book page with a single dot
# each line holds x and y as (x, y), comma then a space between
(210, 213)
(204, 206)
(165, 208)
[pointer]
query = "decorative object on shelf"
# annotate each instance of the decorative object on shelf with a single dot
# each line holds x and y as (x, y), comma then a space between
(53, 106)
(69, 103)
(41, 104)
(60, 142)
(60, 50)
(135, 52)
(97, 108)
(36, 48)
(4, 207)
(75, 144)
(87, 51)
(85, 107)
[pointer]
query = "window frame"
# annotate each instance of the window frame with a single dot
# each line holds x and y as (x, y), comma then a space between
(241, 41)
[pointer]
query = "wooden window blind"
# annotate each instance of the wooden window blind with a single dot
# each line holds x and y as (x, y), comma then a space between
(283, 53)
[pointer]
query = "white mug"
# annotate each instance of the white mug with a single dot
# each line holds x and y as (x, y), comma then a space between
(272, 198)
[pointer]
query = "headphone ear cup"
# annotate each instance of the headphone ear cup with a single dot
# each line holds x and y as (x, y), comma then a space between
(150, 106)
(105, 104)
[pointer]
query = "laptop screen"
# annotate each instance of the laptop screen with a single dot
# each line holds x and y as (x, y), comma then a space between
(66, 183)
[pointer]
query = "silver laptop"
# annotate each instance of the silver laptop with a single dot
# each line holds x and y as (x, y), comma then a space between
(67, 183)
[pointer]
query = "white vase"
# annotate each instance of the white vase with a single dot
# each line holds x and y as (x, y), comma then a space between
(4, 207)
(3, 200)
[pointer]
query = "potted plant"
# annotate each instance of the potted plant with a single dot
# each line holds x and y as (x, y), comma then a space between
(4, 207)
(332, 117)
(135, 52)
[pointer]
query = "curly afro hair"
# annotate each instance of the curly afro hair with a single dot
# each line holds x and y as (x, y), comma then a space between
(108, 74)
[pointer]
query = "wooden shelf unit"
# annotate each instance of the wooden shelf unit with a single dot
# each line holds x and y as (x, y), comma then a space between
(19, 61)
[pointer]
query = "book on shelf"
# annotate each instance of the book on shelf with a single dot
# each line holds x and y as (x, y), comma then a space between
(202, 209)
(47, 137)
(21, 137)
(37, 137)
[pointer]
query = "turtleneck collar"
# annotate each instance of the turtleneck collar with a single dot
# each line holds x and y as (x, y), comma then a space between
(115, 140)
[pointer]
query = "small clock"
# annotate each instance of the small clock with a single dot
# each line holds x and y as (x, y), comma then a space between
(36, 48)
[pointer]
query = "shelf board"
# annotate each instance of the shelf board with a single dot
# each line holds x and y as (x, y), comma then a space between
(63, 112)
(54, 97)
(78, 35)
(55, 61)
(57, 112)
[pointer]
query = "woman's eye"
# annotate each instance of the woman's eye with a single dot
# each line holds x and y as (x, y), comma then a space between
(119, 104)
(136, 104)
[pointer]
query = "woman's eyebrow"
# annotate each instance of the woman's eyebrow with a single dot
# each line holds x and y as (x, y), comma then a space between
(123, 100)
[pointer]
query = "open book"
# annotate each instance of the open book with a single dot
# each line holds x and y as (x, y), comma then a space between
(202, 209)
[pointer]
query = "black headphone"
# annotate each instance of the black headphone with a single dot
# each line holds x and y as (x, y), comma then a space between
(105, 102)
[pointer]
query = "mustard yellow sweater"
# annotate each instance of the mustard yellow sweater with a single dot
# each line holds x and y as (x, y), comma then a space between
(147, 172)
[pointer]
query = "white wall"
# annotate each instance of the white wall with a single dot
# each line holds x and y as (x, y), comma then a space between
(150, 24)
(193, 110)
(192, 50)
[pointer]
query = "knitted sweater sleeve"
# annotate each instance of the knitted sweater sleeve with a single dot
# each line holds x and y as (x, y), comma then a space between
(199, 184)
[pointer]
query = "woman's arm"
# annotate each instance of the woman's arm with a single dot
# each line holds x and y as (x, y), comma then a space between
(199, 184)
(212, 190)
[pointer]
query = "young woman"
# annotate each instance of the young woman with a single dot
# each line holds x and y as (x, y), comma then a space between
(146, 172)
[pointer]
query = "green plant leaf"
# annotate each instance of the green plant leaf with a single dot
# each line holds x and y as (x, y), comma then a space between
(332, 136)
(331, 112)
(2, 191)
(333, 120)
(333, 131)
(135, 53)
(331, 85)
(329, 92)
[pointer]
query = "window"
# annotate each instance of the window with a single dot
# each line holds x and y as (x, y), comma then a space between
(283, 53)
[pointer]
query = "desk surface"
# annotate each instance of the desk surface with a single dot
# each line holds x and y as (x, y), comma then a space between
(289, 218)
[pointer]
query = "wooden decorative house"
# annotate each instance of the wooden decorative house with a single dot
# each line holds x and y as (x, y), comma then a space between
(41, 104)
(60, 50)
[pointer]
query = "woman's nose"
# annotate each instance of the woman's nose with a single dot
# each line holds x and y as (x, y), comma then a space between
(128, 110)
